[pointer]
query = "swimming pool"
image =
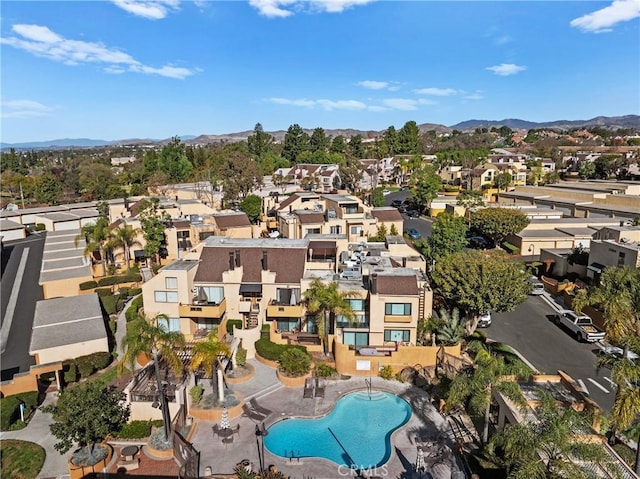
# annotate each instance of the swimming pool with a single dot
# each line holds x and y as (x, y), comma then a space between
(357, 433)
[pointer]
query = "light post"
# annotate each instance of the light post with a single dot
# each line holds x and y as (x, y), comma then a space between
(532, 250)
(261, 432)
(166, 420)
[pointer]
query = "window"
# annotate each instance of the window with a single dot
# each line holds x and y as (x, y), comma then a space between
(166, 296)
(169, 325)
(350, 209)
(335, 230)
(214, 294)
(356, 339)
(356, 230)
(396, 335)
(356, 304)
(397, 309)
(286, 325)
(313, 231)
(171, 282)
(621, 257)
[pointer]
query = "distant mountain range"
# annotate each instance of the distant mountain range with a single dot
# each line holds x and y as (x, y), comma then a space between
(613, 122)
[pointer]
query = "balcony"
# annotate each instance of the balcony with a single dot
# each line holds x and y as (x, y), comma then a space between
(280, 310)
(373, 350)
(397, 319)
(203, 310)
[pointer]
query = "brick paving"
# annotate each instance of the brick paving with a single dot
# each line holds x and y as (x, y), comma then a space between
(149, 467)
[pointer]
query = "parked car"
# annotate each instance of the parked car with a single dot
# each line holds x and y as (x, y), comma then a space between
(579, 325)
(485, 320)
(386, 192)
(414, 234)
(412, 213)
(396, 203)
(479, 242)
(537, 287)
(617, 352)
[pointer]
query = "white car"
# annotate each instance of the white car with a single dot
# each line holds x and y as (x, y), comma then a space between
(615, 351)
(485, 320)
(537, 288)
(386, 192)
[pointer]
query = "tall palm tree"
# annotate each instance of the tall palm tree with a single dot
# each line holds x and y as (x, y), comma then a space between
(96, 237)
(152, 336)
(125, 237)
(544, 448)
(490, 373)
(207, 355)
(325, 301)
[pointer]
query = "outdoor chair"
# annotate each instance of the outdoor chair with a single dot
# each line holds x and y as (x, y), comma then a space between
(308, 389)
(216, 429)
(252, 413)
(259, 409)
(319, 388)
(227, 440)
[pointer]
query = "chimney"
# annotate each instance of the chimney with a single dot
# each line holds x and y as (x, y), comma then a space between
(176, 197)
(232, 263)
(126, 204)
(265, 265)
(374, 283)
(238, 258)
(404, 262)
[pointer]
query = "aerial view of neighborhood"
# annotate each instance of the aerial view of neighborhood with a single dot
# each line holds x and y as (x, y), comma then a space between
(269, 240)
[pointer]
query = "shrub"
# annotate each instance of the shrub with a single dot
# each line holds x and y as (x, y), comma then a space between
(241, 357)
(40, 227)
(100, 359)
(71, 374)
(85, 367)
(233, 322)
(88, 285)
(323, 370)
(196, 393)
(295, 363)
(135, 430)
(510, 248)
(135, 291)
(109, 304)
(127, 278)
(132, 312)
(102, 292)
(273, 351)
(10, 408)
(113, 326)
(124, 291)
(386, 372)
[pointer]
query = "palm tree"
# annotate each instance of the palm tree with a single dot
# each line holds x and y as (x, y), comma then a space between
(151, 336)
(207, 354)
(95, 236)
(125, 237)
(450, 329)
(544, 448)
(325, 301)
(490, 372)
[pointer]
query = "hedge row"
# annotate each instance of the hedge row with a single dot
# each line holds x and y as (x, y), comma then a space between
(510, 248)
(10, 408)
(138, 429)
(85, 366)
(273, 351)
(127, 278)
(233, 322)
(88, 285)
(135, 306)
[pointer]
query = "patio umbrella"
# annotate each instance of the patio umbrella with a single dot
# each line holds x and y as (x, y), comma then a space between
(420, 464)
(293, 300)
(224, 420)
(202, 295)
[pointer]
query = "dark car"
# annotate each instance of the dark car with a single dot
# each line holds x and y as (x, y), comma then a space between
(479, 242)
(396, 203)
(412, 213)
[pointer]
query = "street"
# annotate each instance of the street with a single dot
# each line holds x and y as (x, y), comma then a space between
(21, 264)
(549, 348)
(421, 224)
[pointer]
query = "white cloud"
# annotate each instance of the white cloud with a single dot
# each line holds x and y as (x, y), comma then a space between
(342, 105)
(300, 102)
(474, 96)
(502, 40)
(426, 101)
(436, 91)
(377, 108)
(404, 104)
(602, 20)
(151, 9)
(506, 69)
(24, 109)
(286, 8)
(373, 85)
(41, 41)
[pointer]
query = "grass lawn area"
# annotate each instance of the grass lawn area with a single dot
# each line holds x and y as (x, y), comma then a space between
(21, 459)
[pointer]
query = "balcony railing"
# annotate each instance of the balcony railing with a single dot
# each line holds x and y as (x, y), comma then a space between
(373, 350)
(203, 310)
(281, 310)
(397, 319)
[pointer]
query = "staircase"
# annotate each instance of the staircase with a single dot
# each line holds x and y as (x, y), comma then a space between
(421, 303)
(252, 319)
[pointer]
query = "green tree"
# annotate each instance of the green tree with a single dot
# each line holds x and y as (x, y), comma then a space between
(153, 224)
(547, 448)
(326, 301)
(86, 414)
(391, 141)
(477, 283)
(97, 181)
(355, 147)
(470, 199)
(281, 182)
(47, 189)
(503, 180)
(207, 355)
(295, 142)
(145, 336)
(409, 139)
(381, 234)
(490, 373)
(338, 145)
(377, 197)
(393, 231)
(448, 235)
(551, 178)
(426, 184)
(96, 237)
(586, 169)
(251, 205)
(260, 142)
(173, 160)
(125, 237)
(498, 223)
(319, 141)
(240, 175)
(351, 173)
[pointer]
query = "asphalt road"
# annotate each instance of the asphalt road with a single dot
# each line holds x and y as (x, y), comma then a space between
(16, 259)
(549, 348)
(422, 224)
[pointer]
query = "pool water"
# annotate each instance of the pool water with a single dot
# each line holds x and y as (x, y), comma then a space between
(356, 434)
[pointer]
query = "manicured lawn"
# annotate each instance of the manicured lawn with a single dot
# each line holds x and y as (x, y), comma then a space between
(21, 459)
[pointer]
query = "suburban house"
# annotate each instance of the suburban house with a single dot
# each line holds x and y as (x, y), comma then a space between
(615, 246)
(12, 230)
(232, 224)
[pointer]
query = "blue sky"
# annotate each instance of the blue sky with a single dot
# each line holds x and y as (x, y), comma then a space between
(131, 69)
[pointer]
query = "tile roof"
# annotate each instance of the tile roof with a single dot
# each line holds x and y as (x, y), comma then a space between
(287, 263)
(231, 220)
(310, 218)
(397, 285)
(386, 214)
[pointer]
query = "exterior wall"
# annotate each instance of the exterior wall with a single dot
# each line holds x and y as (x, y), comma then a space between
(71, 351)
(239, 232)
(607, 253)
(11, 235)
(347, 362)
(64, 287)
(142, 411)
(377, 323)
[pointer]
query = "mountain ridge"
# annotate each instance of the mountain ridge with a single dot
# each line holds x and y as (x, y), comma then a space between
(624, 121)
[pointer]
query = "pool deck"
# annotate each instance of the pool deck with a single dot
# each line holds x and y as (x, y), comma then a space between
(425, 422)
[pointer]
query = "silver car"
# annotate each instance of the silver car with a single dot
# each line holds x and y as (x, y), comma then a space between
(537, 287)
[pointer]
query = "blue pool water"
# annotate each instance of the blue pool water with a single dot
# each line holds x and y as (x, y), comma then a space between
(357, 433)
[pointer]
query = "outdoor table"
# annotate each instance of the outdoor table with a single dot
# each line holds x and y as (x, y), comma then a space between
(129, 451)
(226, 432)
